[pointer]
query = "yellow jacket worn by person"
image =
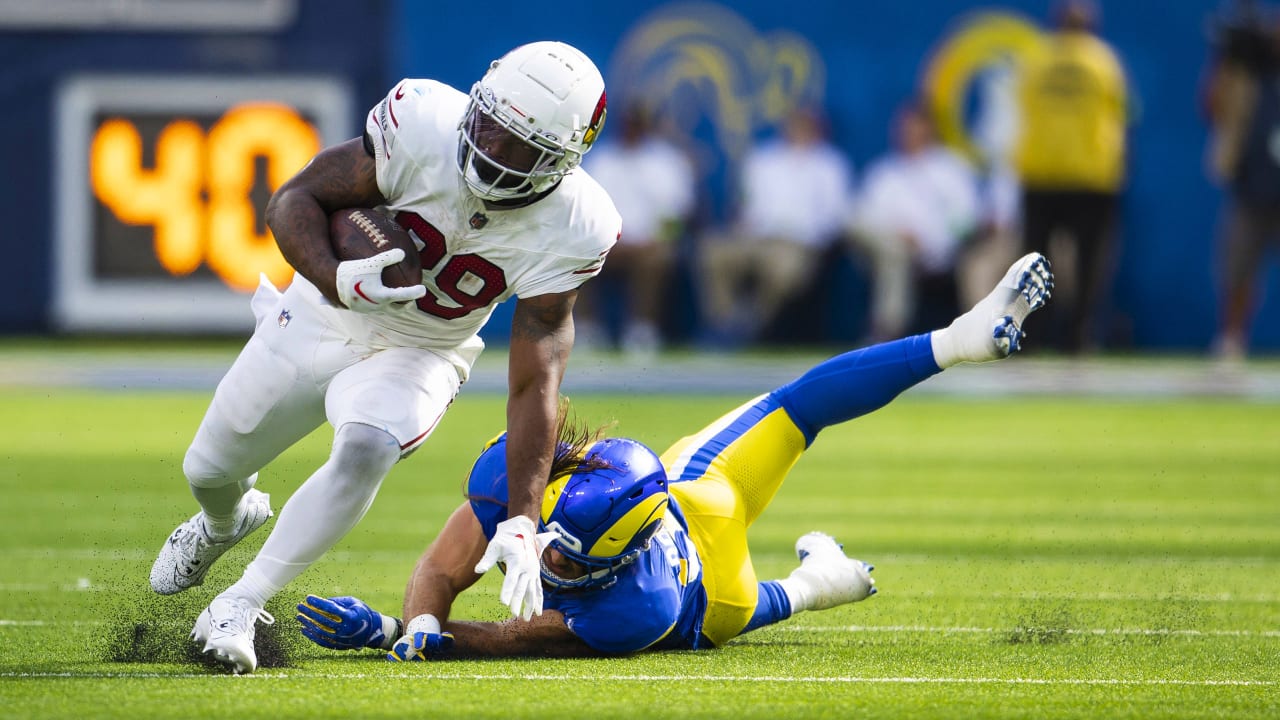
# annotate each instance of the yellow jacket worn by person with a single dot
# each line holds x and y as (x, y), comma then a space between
(1073, 100)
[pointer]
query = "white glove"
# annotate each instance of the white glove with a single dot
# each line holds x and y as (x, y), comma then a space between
(360, 285)
(518, 546)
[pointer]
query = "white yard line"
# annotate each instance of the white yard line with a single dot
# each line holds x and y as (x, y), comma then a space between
(1225, 597)
(542, 677)
(991, 630)
(888, 629)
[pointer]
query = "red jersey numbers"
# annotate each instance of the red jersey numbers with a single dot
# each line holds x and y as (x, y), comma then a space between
(431, 238)
(468, 280)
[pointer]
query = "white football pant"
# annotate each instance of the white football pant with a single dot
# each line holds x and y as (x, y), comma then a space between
(295, 372)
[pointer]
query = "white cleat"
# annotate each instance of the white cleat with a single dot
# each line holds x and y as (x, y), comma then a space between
(225, 630)
(1024, 289)
(826, 577)
(992, 329)
(188, 554)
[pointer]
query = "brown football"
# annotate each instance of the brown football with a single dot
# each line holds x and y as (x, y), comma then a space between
(358, 233)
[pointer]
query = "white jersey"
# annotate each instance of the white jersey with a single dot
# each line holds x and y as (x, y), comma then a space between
(472, 258)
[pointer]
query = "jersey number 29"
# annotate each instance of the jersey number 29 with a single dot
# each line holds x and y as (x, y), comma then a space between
(449, 277)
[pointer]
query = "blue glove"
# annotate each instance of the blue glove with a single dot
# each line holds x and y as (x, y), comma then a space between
(422, 641)
(340, 623)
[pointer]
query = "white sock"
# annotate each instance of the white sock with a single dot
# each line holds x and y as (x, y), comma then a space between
(797, 594)
(223, 506)
(321, 512)
(254, 586)
(948, 348)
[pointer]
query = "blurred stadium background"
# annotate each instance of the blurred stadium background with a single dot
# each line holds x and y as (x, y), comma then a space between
(144, 136)
(1108, 549)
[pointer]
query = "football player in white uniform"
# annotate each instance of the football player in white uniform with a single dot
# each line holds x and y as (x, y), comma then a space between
(488, 186)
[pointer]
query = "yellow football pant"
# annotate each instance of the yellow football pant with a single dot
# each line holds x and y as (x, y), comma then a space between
(723, 478)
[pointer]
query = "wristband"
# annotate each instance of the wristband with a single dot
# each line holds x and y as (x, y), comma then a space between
(392, 629)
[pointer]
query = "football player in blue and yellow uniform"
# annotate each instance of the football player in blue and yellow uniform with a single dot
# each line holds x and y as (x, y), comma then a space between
(642, 552)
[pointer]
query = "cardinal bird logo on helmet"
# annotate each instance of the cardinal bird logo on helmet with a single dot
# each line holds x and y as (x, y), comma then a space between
(597, 122)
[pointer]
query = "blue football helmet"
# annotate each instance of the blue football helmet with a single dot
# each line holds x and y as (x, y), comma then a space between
(604, 516)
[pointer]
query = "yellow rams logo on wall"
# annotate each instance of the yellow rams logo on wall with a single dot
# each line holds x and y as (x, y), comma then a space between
(978, 62)
(704, 61)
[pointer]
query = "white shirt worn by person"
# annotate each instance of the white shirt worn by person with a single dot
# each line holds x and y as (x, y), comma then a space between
(473, 258)
(650, 182)
(799, 193)
(931, 196)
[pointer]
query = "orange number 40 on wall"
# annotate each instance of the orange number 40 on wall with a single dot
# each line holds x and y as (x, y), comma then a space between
(198, 193)
(162, 184)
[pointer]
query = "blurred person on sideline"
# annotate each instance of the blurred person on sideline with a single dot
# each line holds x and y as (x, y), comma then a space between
(793, 196)
(914, 212)
(1242, 103)
(488, 183)
(651, 181)
(995, 135)
(651, 553)
(1072, 97)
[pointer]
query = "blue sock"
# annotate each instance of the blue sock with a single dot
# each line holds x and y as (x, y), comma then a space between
(856, 383)
(772, 606)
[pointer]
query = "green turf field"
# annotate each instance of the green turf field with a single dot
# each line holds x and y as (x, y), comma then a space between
(1035, 558)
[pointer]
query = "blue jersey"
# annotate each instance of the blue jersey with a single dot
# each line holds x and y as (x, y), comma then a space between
(657, 601)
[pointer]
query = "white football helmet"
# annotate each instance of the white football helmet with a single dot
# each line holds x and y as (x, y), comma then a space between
(530, 120)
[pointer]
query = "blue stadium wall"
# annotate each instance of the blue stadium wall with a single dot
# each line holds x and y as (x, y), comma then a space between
(861, 59)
